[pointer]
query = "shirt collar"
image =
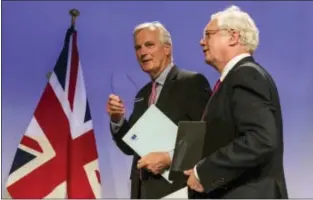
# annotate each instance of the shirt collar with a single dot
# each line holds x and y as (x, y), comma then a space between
(231, 64)
(162, 77)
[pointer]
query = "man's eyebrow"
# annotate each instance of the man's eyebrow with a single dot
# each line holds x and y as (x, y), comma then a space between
(137, 46)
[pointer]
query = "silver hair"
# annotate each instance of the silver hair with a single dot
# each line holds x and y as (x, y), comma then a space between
(236, 19)
(165, 36)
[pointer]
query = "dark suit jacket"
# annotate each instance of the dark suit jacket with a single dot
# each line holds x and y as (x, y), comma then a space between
(243, 151)
(183, 97)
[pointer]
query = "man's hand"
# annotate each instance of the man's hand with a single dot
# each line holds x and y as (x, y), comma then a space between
(115, 108)
(155, 162)
(193, 182)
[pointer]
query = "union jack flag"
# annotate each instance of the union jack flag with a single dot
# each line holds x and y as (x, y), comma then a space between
(57, 156)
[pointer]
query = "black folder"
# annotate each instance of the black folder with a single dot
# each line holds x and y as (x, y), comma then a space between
(188, 147)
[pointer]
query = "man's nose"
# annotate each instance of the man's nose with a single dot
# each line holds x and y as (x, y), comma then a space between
(143, 55)
(202, 42)
(143, 51)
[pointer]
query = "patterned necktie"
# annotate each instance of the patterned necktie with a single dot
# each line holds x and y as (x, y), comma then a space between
(215, 88)
(152, 98)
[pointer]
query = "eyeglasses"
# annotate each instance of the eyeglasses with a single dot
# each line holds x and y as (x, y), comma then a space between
(208, 33)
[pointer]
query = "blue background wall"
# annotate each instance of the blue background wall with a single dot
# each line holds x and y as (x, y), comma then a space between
(32, 37)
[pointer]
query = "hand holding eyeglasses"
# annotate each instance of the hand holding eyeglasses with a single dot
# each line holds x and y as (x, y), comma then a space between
(115, 108)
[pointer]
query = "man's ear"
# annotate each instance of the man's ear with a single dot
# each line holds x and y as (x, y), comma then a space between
(234, 37)
(168, 49)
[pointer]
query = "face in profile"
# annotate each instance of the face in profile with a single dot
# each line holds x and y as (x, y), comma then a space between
(152, 55)
(213, 43)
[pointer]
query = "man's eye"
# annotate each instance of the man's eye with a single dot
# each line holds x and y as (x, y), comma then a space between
(137, 48)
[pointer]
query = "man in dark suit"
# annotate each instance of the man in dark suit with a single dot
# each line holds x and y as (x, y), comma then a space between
(243, 151)
(172, 90)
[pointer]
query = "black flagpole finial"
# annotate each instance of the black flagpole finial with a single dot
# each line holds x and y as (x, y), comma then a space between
(74, 13)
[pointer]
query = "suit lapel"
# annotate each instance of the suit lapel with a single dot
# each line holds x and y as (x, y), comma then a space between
(213, 102)
(164, 95)
(242, 61)
(141, 103)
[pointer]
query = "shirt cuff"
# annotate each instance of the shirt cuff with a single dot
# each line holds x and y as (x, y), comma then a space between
(196, 173)
(117, 125)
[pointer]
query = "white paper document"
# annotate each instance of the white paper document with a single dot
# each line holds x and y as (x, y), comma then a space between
(153, 132)
(179, 194)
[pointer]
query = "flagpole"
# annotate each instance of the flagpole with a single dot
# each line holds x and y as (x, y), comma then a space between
(74, 14)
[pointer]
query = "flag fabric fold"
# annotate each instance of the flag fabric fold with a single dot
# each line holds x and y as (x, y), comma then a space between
(57, 155)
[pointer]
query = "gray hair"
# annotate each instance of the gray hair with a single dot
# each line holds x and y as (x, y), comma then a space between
(234, 18)
(165, 36)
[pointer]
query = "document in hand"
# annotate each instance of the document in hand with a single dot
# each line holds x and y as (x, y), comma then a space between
(188, 147)
(153, 132)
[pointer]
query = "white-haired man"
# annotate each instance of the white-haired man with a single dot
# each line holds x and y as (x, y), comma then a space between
(172, 90)
(243, 151)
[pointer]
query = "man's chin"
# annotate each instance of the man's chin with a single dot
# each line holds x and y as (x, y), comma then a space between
(208, 61)
(147, 69)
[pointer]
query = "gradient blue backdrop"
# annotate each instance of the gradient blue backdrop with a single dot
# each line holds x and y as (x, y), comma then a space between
(32, 37)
